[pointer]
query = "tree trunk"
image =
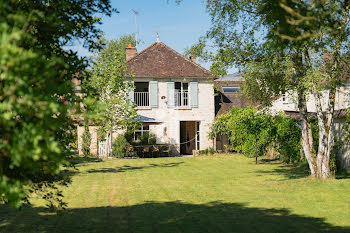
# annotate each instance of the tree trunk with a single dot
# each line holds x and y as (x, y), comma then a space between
(107, 145)
(306, 133)
(256, 151)
(326, 137)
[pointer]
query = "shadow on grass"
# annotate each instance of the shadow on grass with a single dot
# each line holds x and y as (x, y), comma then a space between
(83, 160)
(164, 217)
(288, 171)
(126, 168)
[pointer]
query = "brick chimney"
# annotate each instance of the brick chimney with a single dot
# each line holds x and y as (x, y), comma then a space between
(130, 52)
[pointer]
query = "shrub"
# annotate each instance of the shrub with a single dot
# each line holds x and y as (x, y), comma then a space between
(255, 132)
(86, 140)
(152, 140)
(119, 146)
(211, 150)
(206, 151)
(144, 139)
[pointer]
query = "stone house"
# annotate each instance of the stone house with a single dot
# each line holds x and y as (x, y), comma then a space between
(174, 97)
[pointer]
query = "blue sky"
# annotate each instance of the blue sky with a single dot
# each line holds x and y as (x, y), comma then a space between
(179, 25)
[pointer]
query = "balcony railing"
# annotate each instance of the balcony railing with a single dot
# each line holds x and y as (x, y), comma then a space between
(141, 99)
(181, 99)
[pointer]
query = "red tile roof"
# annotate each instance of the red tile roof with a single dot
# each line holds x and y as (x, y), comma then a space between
(158, 60)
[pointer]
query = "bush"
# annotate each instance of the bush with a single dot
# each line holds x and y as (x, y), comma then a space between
(152, 139)
(86, 140)
(119, 146)
(211, 150)
(287, 139)
(249, 130)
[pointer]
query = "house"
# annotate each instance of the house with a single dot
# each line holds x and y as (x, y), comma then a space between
(288, 104)
(228, 95)
(174, 97)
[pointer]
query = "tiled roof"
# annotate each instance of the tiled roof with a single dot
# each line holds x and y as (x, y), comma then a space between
(224, 102)
(158, 60)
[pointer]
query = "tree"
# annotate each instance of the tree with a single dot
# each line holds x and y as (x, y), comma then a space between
(297, 46)
(110, 88)
(86, 139)
(36, 68)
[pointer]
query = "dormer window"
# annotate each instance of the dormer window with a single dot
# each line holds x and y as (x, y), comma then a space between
(230, 89)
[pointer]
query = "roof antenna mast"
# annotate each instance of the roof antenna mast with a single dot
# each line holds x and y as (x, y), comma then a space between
(136, 28)
(157, 36)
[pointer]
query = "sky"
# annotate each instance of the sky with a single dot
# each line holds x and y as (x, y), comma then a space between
(179, 25)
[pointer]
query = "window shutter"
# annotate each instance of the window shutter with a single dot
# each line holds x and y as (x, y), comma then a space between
(194, 94)
(171, 93)
(153, 94)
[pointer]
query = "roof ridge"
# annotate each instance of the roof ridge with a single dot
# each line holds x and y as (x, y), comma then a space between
(143, 51)
(199, 66)
(179, 54)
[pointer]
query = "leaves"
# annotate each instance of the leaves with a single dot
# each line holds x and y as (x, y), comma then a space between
(36, 93)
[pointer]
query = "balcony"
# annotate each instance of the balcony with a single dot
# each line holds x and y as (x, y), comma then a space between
(141, 99)
(182, 99)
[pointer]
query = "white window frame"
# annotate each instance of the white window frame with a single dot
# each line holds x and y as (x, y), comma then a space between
(182, 91)
(141, 130)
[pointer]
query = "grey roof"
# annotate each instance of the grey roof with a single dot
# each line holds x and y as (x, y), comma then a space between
(231, 77)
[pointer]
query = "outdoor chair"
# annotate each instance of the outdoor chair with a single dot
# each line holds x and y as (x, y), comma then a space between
(155, 150)
(168, 149)
(130, 151)
(139, 151)
(146, 150)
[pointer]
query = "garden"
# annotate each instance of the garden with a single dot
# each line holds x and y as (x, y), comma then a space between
(219, 193)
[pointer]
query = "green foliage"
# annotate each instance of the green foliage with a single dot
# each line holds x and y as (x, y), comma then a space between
(119, 146)
(284, 46)
(287, 138)
(107, 87)
(152, 140)
(36, 92)
(86, 139)
(144, 139)
(211, 150)
(246, 127)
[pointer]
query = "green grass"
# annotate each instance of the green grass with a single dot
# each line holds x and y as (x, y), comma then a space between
(224, 193)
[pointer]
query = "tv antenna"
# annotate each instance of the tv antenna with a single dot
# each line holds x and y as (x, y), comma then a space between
(136, 28)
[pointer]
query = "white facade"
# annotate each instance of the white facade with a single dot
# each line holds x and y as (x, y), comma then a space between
(164, 118)
(288, 102)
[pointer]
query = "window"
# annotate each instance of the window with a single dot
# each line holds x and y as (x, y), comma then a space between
(141, 94)
(230, 89)
(181, 94)
(144, 129)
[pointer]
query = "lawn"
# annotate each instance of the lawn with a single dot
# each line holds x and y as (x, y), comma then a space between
(223, 193)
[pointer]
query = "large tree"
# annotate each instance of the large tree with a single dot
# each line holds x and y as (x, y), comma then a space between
(286, 45)
(108, 87)
(36, 69)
